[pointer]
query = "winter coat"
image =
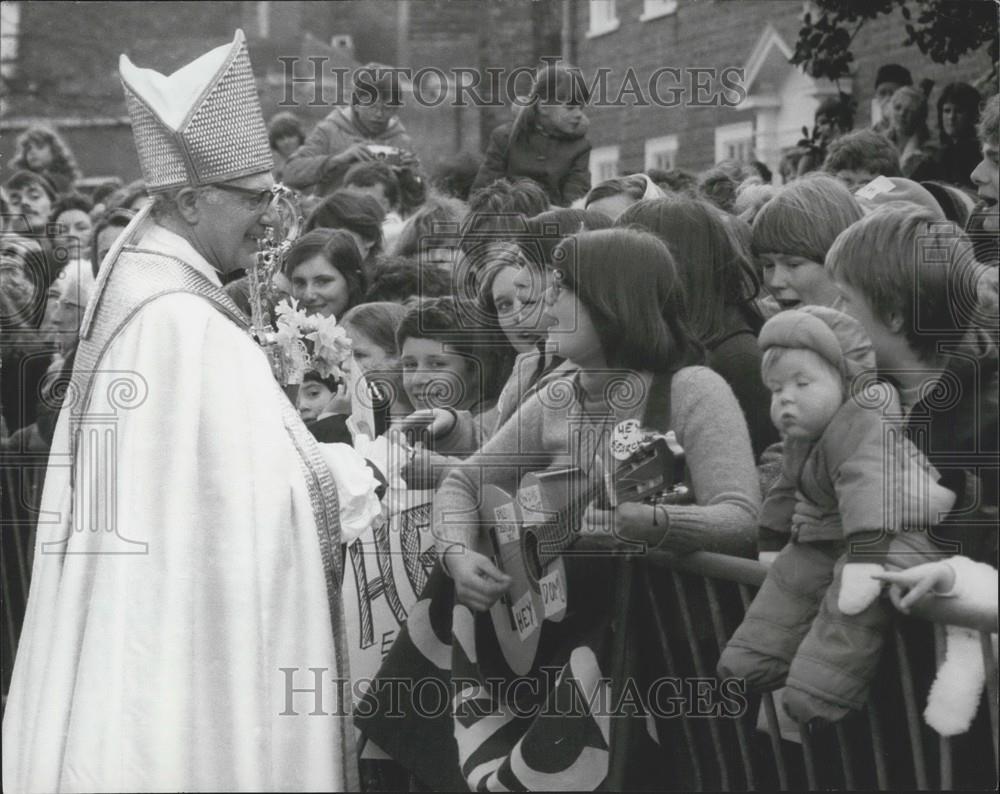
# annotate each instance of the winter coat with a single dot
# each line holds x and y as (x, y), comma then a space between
(559, 164)
(309, 167)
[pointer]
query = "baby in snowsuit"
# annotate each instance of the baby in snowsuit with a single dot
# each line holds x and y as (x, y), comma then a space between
(849, 486)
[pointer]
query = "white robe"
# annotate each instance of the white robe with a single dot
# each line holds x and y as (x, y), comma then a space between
(158, 667)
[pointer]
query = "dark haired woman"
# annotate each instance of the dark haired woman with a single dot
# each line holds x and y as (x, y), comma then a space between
(547, 141)
(958, 115)
(616, 310)
(324, 268)
(720, 281)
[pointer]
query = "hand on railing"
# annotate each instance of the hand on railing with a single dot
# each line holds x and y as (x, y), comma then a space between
(910, 585)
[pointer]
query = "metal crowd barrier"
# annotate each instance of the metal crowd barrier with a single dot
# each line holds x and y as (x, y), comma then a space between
(699, 599)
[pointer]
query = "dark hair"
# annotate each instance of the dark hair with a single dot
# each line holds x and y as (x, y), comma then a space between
(342, 209)
(501, 256)
(454, 175)
(862, 150)
(71, 201)
(22, 178)
(967, 98)
(554, 82)
(841, 108)
(893, 73)
(715, 271)
(457, 322)
(718, 186)
(114, 217)
(369, 174)
(675, 180)
(63, 162)
(375, 81)
(547, 229)
(283, 125)
(633, 186)
(762, 170)
(520, 195)
(125, 196)
(628, 281)
(437, 222)
(339, 249)
(397, 279)
(105, 190)
(379, 321)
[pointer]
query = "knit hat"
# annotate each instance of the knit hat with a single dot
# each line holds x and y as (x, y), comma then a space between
(837, 338)
(888, 189)
(893, 73)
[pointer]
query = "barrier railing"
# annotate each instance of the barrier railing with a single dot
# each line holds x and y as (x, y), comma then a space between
(886, 746)
(706, 595)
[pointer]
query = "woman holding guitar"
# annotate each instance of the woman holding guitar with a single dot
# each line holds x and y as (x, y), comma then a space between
(534, 647)
(617, 313)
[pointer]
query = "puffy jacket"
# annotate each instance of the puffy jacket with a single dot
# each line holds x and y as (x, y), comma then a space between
(561, 165)
(310, 167)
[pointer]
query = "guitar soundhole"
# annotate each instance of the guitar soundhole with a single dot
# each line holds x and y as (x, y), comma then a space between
(531, 560)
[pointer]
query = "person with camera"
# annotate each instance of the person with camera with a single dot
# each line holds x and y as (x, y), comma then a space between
(366, 130)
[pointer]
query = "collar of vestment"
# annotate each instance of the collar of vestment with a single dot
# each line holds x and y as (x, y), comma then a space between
(158, 238)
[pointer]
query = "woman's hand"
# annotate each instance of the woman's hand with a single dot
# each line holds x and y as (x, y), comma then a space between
(912, 584)
(478, 582)
(631, 521)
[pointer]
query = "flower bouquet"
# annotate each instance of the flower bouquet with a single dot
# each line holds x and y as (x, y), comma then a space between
(305, 342)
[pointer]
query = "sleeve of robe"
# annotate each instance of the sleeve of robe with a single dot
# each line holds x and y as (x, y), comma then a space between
(160, 655)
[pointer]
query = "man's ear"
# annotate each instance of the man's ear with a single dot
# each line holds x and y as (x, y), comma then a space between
(187, 205)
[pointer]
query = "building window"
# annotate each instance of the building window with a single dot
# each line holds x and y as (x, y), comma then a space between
(10, 26)
(654, 9)
(603, 17)
(661, 152)
(735, 142)
(603, 163)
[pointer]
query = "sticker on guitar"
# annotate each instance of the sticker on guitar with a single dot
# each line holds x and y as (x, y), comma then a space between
(553, 592)
(524, 616)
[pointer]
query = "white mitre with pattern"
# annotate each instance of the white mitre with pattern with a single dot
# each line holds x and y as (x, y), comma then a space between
(200, 125)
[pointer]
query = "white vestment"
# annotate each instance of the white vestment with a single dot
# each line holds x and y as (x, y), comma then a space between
(160, 655)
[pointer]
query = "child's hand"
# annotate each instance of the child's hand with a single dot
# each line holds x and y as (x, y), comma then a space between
(914, 583)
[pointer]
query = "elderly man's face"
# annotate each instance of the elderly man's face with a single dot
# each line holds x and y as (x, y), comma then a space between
(32, 203)
(232, 217)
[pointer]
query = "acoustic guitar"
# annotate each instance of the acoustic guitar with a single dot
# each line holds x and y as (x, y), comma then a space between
(525, 535)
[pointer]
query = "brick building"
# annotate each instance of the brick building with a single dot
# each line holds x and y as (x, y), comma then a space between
(757, 36)
(60, 65)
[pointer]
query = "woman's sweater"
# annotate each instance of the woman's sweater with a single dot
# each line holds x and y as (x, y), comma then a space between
(709, 426)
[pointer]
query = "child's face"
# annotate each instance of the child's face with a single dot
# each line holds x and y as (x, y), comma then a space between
(806, 392)
(313, 400)
(797, 281)
(369, 356)
(435, 378)
(38, 155)
(563, 117)
(507, 293)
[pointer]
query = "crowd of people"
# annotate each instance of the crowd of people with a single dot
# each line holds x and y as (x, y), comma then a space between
(775, 329)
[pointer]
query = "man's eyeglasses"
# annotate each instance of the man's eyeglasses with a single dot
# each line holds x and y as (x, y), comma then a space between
(261, 199)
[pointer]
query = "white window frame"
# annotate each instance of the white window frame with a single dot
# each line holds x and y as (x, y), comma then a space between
(604, 163)
(654, 9)
(729, 135)
(603, 18)
(665, 145)
(10, 29)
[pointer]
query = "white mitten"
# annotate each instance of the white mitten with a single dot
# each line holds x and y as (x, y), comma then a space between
(954, 695)
(858, 590)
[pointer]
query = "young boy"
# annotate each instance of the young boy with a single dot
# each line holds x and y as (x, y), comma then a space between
(792, 233)
(318, 403)
(453, 369)
(813, 620)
